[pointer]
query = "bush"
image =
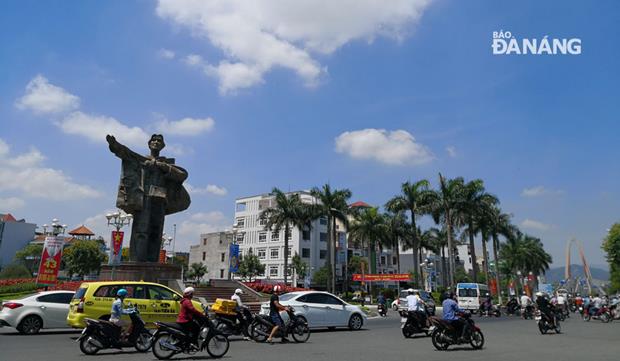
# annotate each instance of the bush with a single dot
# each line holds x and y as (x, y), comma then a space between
(18, 288)
(15, 270)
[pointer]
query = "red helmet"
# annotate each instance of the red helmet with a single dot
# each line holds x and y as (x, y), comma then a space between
(277, 288)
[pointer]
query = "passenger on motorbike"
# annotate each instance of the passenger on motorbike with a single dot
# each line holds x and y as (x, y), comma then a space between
(450, 310)
(241, 309)
(274, 313)
(416, 305)
(561, 302)
(597, 303)
(545, 308)
(512, 305)
(118, 310)
(188, 315)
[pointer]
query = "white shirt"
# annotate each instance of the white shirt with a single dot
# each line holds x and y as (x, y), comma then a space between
(561, 300)
(597, 302)
(236, 297)
(413, 303)
(525, 300)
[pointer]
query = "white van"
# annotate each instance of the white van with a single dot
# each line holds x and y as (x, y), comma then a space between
(471, 295)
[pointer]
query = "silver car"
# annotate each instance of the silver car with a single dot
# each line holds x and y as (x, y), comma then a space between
(30, 314)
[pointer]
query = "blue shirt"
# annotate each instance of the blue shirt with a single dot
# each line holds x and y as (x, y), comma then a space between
(117, 310)
(450, 308)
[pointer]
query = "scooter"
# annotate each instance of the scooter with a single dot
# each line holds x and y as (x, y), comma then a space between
(231, 325)
(382, 310)
(413, 322)
(296, 326)
(445, 334)
(493, 311)
(101, 334)
(601, 314)
(527, 312)
(544, 325)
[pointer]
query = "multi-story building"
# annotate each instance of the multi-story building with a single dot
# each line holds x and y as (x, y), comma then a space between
(14, 235)
(250, 233)
(213, 252)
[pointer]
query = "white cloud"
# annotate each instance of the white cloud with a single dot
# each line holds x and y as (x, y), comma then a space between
(193, 60)
(532, 224)
(539, 191)
(10, 204)
(451, 151)
(190, 229)
(396, 147)
(186, 126)
(210, 188)
(166, 54)
(96, 127)
(25, 173)
(44, 98)
(256, 37)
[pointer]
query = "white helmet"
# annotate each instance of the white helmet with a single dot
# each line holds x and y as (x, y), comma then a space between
(188, 290)
(410, 290)
(539, 294)
(238, 291)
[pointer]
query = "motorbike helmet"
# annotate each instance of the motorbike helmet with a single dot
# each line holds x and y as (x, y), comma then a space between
(277, 288)
(188, 291)
(410, 291)
(238, 291)
(121, 293)
(539, 294)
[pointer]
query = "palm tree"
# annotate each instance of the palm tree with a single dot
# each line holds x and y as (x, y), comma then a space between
(525, 254)
(333, 205)
(475, 201)
(499, 224)
(367, 229)
(396, 230)
(447, 202)
(287, 212)
(415, 199)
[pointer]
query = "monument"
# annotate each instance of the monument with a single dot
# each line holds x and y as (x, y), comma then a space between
(151, 187)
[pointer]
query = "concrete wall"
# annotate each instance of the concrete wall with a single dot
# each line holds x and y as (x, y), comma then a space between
(13, 237)
(209, 252)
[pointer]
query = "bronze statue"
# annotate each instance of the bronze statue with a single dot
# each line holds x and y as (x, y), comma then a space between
(150, 188)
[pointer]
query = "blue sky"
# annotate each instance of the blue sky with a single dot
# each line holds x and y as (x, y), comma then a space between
(252, 96)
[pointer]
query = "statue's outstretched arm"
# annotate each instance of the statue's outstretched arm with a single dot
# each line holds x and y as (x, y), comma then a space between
(120, 150)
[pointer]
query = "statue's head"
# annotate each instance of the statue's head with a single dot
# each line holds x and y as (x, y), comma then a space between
(156, 142)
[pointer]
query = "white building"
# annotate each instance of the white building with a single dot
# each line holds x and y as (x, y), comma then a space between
(311, 245)
(213, 251)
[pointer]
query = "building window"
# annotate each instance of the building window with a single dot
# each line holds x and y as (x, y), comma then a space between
(241, 207)
(383, 260)
(323, 220)
(221, 273)
(262, 253)
(204, 255)
(274, 253)
(262, 237)
(305, 252)
(305, 234)
(273, 271)
(262, 221)
(275, 236)
(264, 204)
(240, 237)
(323, 237)
(240, 254)
(223, 257)
(322, 254)
(204, 242)
(289, 252)
(240, 222)
(394, 260)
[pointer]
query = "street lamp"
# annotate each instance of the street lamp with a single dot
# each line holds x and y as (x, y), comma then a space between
(54, 229)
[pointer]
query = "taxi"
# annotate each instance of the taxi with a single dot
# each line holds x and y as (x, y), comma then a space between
(156, 303)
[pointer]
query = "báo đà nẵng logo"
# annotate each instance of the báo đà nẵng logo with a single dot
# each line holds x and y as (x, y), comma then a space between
(505, 43)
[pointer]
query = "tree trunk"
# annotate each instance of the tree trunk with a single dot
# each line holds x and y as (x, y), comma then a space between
(286, 232)
(496, 267)
(444, 269)
(485, 257)
(397, 255)
(472, 250)
(415, 245)
(332, 244)
(328, 263)
(450, 250)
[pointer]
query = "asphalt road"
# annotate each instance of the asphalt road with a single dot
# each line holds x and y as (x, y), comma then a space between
(506, 339)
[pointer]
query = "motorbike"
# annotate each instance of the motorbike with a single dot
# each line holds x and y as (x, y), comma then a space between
(528, 312)
(600, 314)
(412, 323)
(445, 334)
(170, 339)
(296, 326)
(560, 315)
(382, 310)
(513, 309)
(101, 334)
(544, 325)
(230, 325)
(493, 311)
(614, 311)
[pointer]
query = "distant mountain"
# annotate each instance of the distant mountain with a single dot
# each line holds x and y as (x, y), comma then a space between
(557, 274)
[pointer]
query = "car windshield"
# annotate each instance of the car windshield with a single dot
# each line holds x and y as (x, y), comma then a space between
(80, 293)
(287, 296)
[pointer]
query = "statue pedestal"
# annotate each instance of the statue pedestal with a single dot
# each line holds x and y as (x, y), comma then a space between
(141, 271)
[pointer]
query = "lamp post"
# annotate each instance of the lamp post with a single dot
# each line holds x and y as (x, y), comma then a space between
(54, 229)
(118, 220)
(428, 268)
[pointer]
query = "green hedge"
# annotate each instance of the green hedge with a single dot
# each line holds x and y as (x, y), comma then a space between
(18, 288)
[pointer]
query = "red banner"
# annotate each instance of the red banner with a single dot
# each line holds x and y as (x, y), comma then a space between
(117, 242)
(50, 261)
(381, 277)
(162, 256)
(493, 286)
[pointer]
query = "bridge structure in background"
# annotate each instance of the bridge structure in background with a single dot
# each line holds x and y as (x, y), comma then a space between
(573, 284)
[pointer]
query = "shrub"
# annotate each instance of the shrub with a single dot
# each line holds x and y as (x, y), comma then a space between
(15, 270)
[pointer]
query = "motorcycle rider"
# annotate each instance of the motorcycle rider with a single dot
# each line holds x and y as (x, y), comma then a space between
(597, 303)
(545, 308)
(450, 310)
(561, 302)
(188, 314)
(118, 310)
(526, 302)
(512, 305)
(487, 304)
(241, 309)
(415, 304)
(381, 301)
(274, 313)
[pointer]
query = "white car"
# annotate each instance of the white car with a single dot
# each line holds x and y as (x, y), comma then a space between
(321, 309)
(30, 314)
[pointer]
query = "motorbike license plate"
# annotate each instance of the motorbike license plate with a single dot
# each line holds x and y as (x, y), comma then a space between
(403, 319)
(537, 318)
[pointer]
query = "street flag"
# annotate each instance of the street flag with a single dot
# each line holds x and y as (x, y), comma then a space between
(234, 258)
(50, 261)
(116, 249)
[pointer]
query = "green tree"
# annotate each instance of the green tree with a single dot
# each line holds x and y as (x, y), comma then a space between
(611, 246)
(356, 264)
(300, 267)
(333, 205)
(83, 257)
(499, 224)
(321, 276)
(250, 266)
(396, 231)
(368, 228)
(29, 256)
(287, 212)
(525, 254)
(15, 270)
(415, 198)
(197, 271)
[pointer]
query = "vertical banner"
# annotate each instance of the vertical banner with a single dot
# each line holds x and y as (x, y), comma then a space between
(233, 258)
(493, 286)
(50, 261)
(162, 256)
(116, 248)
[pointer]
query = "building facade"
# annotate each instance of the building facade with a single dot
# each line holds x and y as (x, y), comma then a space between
(14, 235)
(213, 252)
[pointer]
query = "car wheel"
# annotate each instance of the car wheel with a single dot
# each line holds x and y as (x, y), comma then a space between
(30, 325)
(395, 307)
(356, 322)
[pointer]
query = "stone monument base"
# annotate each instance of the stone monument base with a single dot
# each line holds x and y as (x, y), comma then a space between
(141, 271)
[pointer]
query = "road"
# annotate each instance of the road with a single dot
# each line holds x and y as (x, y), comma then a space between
(506, 339)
